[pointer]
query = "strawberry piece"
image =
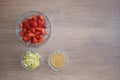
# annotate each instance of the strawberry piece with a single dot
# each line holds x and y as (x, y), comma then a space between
(26, 34)
(25, 23)
(33, 24)
(34, 18)
(39, 22)
(24, 30)
(37, 32)
(40, 39)
(22, 33)
(43, 32)
(31, 34)
(44, 24)
(25, 39)
(33, 30)
(40, 17)
(39, 28)
(21, 25)
(34, 40)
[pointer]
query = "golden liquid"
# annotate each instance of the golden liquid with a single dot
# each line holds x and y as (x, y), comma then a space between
(58, 60)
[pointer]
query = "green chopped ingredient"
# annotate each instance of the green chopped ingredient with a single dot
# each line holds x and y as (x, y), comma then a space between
(31, 60)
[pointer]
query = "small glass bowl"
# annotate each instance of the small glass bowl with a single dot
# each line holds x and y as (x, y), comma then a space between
(61, 52)
(29, 15)
(28, 69)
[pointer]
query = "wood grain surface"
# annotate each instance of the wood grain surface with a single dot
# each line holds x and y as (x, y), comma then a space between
(88, 30)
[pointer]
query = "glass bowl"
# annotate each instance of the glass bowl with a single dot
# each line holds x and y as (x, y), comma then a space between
(29, 15)
(66, 57)
(27, 68)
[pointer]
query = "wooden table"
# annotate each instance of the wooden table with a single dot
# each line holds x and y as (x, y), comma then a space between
(88, 30)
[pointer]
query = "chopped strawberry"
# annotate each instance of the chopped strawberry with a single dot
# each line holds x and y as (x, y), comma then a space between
(24, 30)
(33, 29)
(44, 24)
(40, 17)
(43, 32)
(39, 28)
(39, 22)
(22, 33)
(33, 23)
(31, 34)
(34, 18)
(34, 40)
(40, 39)
(25, 39)
(21, 25)
(37, 32)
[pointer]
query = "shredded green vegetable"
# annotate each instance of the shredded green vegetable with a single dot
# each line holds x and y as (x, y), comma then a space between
(31, 60)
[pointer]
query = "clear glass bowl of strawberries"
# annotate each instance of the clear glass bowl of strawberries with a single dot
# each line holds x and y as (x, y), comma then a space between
(33, 29)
